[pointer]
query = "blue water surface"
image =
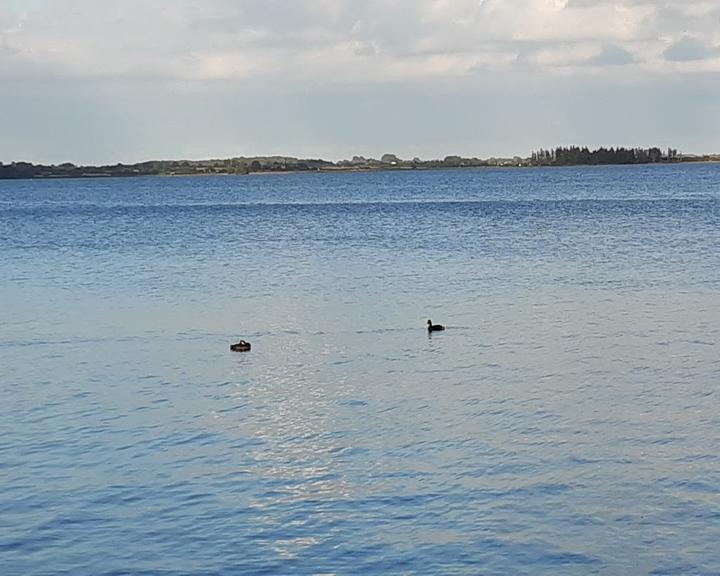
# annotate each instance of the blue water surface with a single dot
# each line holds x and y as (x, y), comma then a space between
(567, 422)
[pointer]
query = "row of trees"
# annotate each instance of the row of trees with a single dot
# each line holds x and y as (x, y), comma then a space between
(560, 156)
(17, 170)
(573, 155)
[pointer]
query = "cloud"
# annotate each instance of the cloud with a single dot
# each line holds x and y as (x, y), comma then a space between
(348, 41)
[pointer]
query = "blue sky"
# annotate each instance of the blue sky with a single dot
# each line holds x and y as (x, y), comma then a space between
(93, 81)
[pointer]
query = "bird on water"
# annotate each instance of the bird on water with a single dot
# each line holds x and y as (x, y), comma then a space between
(434, 327)
(241, 346)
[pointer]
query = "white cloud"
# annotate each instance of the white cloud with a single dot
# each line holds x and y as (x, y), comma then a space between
(335, 39)
(352, 41)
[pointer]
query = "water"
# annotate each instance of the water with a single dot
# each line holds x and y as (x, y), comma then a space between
(566, 422)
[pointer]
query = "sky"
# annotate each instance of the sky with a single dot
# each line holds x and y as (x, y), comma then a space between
(106, 81)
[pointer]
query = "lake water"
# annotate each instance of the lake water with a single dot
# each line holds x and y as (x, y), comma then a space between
(566, 422)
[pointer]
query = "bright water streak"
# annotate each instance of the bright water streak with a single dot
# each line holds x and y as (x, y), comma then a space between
(567, 422)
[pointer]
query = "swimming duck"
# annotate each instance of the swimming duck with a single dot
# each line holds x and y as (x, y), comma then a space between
(241, 346)
(434, 327)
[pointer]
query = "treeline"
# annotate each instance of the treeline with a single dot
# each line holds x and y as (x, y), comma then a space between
(575, 155)
(20, 170)
(241, 165)
(560, 156)
(391, 161)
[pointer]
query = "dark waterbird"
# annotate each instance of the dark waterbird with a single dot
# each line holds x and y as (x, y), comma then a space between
(241, 346)
(434, 327)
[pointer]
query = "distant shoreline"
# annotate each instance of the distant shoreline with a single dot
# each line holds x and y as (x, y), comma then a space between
(102, 176)
(258, 165)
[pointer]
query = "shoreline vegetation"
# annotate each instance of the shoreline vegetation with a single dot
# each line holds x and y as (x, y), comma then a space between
(560, 156)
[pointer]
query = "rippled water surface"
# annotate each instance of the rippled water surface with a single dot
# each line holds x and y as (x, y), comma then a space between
(566, 422)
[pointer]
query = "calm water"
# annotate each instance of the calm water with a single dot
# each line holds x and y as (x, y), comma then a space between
(567, 422)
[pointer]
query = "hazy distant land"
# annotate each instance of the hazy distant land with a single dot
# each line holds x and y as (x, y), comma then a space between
(560, 156)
